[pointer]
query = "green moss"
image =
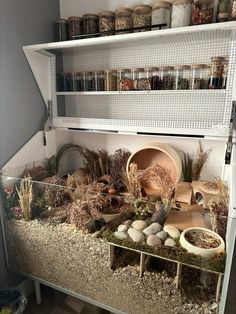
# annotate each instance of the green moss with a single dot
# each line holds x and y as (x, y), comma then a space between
(216, 263)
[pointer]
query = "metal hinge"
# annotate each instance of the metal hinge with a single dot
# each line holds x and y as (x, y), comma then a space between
(48, 123)
(231, 132)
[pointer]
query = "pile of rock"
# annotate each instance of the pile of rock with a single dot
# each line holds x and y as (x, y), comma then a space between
(153, 235)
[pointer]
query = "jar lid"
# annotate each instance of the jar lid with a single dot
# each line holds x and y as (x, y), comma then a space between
(223, 15)
(166, 68)
(217, 59)
(107, 13)
(142, 9)
(182, 67)
(197, 66)
(124, 70)
(92, 15)
(161, 4)
(152, 69)
(124, 11)
(138, 69)
(179, 2)
(203, 1)
(71, 18)
(60, 21)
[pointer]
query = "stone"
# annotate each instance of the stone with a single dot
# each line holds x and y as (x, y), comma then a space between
(152, 229)
(139, 224)
(136, 235)
(162, 235)
(153, 240)
(170, 242)
(121, 235)
(172, 231)
(122, 228)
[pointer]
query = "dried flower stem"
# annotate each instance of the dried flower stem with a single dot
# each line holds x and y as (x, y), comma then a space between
(199, 161)
(25, 194)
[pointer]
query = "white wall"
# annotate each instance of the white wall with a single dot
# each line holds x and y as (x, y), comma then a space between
(80, 7)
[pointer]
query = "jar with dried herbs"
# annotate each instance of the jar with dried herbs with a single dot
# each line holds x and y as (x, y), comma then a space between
(181, 13)
(223, 11)
(124, 20)
(125, 81)
(141, 80)
(75, 26)
(233, 12)
(202, 12)
(60, 30)
(110, 80)
(197, 77)
(100, 80)
(224, 74)
(142, 17)
(90, 84)
(161, 14)
(107, 22)
(80, 77)
(215, 76)
(90, 23)
(167, 77)
(182, 76)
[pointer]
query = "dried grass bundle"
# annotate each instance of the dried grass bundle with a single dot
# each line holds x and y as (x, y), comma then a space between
(187, 164)
(25, 194)
(199, 161)
(117, 164)
(132, 182)
(103, 161)
(162, 179)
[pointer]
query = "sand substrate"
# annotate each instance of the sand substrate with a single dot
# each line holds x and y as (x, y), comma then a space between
(79, 262)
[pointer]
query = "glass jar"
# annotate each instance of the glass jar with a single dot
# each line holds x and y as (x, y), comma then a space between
(233, 12)
(125, 81)
(90, 23)
(182, 78)
(141, 80)
(110, 80)
(100, 81)
(73, 82)
(222, 17)
(197, 78)
(107, 22)
(206, 73)
(224, 74)
(79, 81)
(156, 81)
(181, 13)
(75, 25)
(167, 77)
(60, 30)
(124, 20)
(202, 12)
(161, 14)
(215, 75)
(223, 11)
(142, 17)
(90, 85)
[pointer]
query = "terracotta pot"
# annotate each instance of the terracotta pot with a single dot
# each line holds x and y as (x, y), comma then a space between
(159, 153)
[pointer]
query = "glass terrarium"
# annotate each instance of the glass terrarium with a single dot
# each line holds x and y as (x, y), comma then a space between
(109, 222)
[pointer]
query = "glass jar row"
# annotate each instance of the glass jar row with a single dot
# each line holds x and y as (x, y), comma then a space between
(178, 14)
(197, 76)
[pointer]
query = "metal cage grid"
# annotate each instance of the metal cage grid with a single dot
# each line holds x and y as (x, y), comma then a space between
(208, 110)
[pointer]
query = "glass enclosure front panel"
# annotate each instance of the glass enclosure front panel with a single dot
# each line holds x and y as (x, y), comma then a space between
(135, 240)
